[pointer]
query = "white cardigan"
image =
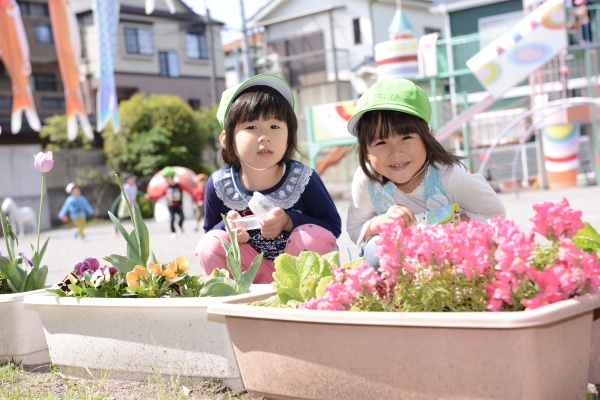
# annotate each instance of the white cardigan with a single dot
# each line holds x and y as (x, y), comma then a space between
(442, 186)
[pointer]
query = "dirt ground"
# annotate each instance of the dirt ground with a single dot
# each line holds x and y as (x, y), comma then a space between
(42, 382)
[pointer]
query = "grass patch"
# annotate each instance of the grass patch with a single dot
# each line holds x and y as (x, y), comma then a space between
(47, 383)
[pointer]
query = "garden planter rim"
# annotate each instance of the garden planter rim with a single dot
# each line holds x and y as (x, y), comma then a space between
(481, 319)
(8, 297)
(51, 299)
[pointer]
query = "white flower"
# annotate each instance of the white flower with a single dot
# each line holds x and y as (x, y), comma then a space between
(98, 277)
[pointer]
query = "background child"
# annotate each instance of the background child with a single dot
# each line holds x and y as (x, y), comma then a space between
(75, 207)
(259, 139)
(174, 195)
(130, 189)
(404, 170)
(198, 198)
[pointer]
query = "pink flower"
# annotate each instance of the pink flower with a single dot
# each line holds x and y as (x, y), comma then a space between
(43, 162)
(553, 220)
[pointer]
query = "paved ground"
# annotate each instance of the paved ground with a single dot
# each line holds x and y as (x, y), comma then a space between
(64, 251)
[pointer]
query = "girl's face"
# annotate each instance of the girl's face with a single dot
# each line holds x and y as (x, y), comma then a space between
(398, 157)
(261, 143)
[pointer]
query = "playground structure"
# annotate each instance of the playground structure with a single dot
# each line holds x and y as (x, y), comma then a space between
(479, 122)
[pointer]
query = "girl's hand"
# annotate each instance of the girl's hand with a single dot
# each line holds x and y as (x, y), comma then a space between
(242, 235)
(274, 224)
(395, 212)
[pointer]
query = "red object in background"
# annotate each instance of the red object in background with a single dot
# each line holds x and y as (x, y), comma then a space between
(65, 218)
(158, 184)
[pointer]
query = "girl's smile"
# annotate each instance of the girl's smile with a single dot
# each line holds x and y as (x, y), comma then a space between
(400, 158)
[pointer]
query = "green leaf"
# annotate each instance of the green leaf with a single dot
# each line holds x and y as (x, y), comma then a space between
(122, 264)
(217, 289)
(320, 289)
(131, 241)
(234, 263)
(273, 301)
(57, 292)
(587, 239)
(37, 257)
(249, 274)
(14, 275)
(143, 235)
(76, 289)
(39, 277)
(286, 278)
(28, 285)
(12, 243)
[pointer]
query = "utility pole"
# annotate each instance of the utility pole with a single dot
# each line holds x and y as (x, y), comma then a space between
(249, 65)
(211, 49)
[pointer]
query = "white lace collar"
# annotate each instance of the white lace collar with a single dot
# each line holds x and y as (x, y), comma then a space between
(284, 194)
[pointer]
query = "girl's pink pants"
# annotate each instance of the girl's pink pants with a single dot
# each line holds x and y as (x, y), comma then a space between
(211, 253)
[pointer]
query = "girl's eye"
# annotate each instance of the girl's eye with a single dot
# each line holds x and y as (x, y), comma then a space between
(378, 143)
(250, 128)
(274, 126)
(407, 137)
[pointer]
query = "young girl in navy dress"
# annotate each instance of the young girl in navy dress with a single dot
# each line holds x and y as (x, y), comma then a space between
(259, 138)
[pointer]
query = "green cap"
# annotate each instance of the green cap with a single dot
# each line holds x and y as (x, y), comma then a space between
(395, 95)
(273, 81)
(168, 171)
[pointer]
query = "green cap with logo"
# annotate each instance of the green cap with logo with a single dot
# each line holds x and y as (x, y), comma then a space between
(395, 95)
(230, 94)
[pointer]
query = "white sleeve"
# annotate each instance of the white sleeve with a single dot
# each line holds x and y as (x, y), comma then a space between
(473, 193)
(360, 211)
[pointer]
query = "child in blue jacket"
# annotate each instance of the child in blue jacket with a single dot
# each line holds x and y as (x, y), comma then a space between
(76, 207)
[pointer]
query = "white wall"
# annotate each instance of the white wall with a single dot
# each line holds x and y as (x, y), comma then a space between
(20, 180)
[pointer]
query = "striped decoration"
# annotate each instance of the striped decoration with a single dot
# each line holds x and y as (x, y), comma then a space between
(561, 154)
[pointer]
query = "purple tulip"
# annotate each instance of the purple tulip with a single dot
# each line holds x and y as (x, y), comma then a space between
(112, 270)
(43, 161)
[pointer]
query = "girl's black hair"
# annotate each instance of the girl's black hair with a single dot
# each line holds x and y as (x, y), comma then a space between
(381, 124)
(254, 103)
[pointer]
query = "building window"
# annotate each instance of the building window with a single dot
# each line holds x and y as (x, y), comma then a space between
(51, 103)
(431, 30)
(44, 83)
(169, 63)
(43, 33)
(196, 46)
(33, 9)
(494, 26)
(5, 102)
(357, 34)
(3, 71)
(194, 103)
(139, 41)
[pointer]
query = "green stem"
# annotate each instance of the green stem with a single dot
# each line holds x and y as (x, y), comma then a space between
(3, 222)
(37, 250)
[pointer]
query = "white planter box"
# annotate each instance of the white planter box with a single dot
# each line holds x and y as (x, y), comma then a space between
(133, 339)
(21, 334)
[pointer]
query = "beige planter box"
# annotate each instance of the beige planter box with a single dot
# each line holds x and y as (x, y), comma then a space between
(137, 339)
(303, 354)
(21, 334)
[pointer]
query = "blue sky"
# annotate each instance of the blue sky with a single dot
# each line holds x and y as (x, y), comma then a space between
(229, 12)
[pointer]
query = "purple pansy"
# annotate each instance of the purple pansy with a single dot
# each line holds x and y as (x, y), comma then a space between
(89, 264)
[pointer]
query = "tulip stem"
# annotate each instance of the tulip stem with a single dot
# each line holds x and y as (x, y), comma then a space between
(40, 219)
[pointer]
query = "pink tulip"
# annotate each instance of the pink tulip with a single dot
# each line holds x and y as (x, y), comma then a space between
(43, 161)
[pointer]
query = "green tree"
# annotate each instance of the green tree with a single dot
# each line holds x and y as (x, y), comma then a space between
(210, 130)
(55, 131)
(156, 131)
